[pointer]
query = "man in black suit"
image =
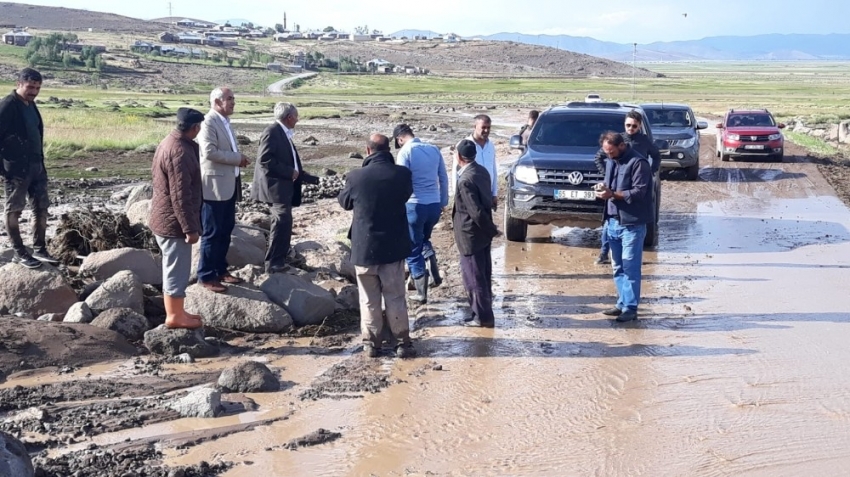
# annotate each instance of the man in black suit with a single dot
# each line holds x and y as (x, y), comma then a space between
(380, 241)
(472, 218)
(278, 176)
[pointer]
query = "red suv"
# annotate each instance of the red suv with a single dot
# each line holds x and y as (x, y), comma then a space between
(750, 133)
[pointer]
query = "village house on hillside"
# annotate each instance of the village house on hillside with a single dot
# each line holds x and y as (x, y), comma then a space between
(17, 38)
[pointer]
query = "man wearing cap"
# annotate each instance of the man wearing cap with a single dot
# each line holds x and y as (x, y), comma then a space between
(474, 232)
(485, 155)
(430, 195)
(175, 217)
(220, 168)
(378, 193)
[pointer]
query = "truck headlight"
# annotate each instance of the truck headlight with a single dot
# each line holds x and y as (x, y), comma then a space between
(775, 137)
(684, 143)
(733, 137)
(526, 174)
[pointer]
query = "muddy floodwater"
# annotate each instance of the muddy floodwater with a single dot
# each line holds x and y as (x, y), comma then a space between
(736, 367)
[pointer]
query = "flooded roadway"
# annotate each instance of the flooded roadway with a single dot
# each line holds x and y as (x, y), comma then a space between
(735, 367)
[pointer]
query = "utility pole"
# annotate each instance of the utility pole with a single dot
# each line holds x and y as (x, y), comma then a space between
(634, 56)
(169, 9)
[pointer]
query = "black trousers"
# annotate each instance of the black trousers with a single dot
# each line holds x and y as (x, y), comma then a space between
(280, 235)
(477, 273)
(32, 186)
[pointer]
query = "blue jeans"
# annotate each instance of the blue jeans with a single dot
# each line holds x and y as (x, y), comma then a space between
(606, 247)
(626, 258)
(421, 219)
(218, 217)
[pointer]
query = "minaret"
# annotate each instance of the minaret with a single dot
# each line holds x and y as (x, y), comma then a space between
(284, 21)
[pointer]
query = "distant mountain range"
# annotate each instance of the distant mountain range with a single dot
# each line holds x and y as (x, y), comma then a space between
(758, 47)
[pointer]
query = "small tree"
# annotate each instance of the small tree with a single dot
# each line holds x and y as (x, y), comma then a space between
(67, 60)
(229, 61)
(278, 27)
(99, 63)
(329, 29)
(242, 62)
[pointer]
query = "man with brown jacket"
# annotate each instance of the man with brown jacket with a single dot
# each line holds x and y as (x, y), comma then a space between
(176, 212)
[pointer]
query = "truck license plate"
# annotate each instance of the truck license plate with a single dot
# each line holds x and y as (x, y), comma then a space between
(575, 194)
(753, 146)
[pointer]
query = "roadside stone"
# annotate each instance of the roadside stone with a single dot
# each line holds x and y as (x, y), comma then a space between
(124, 321)
(355, 155)
(184, 358)
(257, 219)
(139, 212)
(168, 342)
(137, 194)
(248, 377)
(243, 252)
(123, 290)
(242, 308)
(345, 294)
(79, 313)
(243, 140)
(14, 459)
(335, 257)
(34, 292)
(55, 317)
(102, 265)
(306, 303)
(844, 132)
(122, 194)
(250, 273)
(204, 402)
(255, 237)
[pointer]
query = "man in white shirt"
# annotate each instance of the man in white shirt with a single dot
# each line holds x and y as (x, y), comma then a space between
(485, 155)
(220, 163)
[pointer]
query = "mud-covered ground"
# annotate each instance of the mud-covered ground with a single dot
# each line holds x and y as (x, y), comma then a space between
(730, 371)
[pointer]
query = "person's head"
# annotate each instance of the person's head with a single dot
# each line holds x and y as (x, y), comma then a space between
(401, 134)
(377, 143)
(28, 84)
(532, 117)
(482, 127)
(465, 152)
(633, 122)
(189, 122)
(286, 114)
(612, 144)
(222, 101)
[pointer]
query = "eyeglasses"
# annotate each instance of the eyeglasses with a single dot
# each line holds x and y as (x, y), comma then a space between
(631, 126)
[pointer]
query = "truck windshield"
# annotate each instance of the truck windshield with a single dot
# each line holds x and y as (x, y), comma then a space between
(573, 130)
(676, 118)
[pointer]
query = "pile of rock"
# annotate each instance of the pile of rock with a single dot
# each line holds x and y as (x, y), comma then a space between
(834, 133)
(328, 188)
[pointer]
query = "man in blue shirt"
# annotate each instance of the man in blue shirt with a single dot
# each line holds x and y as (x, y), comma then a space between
(430, 195)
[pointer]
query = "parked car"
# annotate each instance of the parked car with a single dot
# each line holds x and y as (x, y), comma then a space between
(750, 132)
(593, 98)
(676, 127)
(552, 181)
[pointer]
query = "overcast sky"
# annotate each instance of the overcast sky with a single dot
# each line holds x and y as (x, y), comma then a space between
(624, 21)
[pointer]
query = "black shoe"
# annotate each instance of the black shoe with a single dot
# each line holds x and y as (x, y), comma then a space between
(44, 256)
(27, 261)
(612, 312)
(478, 324)
(602, 259)
(370, 351)
(626, 316)
(277, 269)
(405, 351)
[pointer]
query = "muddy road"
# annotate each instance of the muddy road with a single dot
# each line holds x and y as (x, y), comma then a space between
(735, 367)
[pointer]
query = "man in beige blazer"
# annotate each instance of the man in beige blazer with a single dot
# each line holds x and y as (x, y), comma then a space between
(220, 164)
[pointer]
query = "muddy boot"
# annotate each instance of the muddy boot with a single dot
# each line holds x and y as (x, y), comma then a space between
(436, 279)
(421, 295)
(409, 283)
(405, 351)
(370, 350)
(176, 316)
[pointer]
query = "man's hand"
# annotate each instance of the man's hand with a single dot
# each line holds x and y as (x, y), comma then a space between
(244, 162)
(192, 238)
(495, 203)
(294, 176)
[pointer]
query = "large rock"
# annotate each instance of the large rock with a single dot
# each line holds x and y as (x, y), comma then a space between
(173, 342)
(204, 402)
(123, 290)
(139, 213)
(257, 219)
(345, 294)
(248, 377)
(243, 252)
(102, 265)
(123, 321)
(14, 459)
(251, 235)
(335, 257)
(252, 274)
(55, 317)
(34, 292)
(242, 308)
(306, 303)
(844, 132)
(137, 194)
(79, 313)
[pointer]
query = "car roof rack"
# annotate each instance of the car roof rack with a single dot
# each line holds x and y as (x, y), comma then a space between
(582, 104)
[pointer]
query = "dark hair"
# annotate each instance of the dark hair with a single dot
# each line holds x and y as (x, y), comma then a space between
(611, 137)
(483, 117)
(635, 115)
(534, 114)
(379, 142)
(29, 74)
(183, 127)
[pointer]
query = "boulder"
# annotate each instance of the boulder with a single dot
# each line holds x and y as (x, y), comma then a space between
(248, 377)
(102, 265)
(204, 402)
(137, 194)
(34, 292)
(832, 132)
(122, 194)
(818, 133)
(123, 290)
(139, 212)
(123, 321)
(250, 273)
(14, 459)
(79, 313)
(252, 235)
(844, 132)
(243, 252)
(168, 342)
(306, 303)
(242, 308)
(349, 297)
(256, 219)
(57, 317)
(335, 257)
(6, 255)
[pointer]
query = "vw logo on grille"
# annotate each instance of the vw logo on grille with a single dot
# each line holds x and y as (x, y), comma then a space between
(575, 178)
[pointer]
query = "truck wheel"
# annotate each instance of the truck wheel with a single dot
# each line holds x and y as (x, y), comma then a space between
(692, 172)
(515, 229)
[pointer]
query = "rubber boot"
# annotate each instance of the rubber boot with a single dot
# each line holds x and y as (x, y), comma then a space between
(176, 316)
(436, 279)
(421, 295)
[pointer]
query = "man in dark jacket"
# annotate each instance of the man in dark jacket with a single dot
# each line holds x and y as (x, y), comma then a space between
(639, 142)
(474, 229)
(176, 213)
(380, 241)
(627, 191)
(278, 176)
(22, 152)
